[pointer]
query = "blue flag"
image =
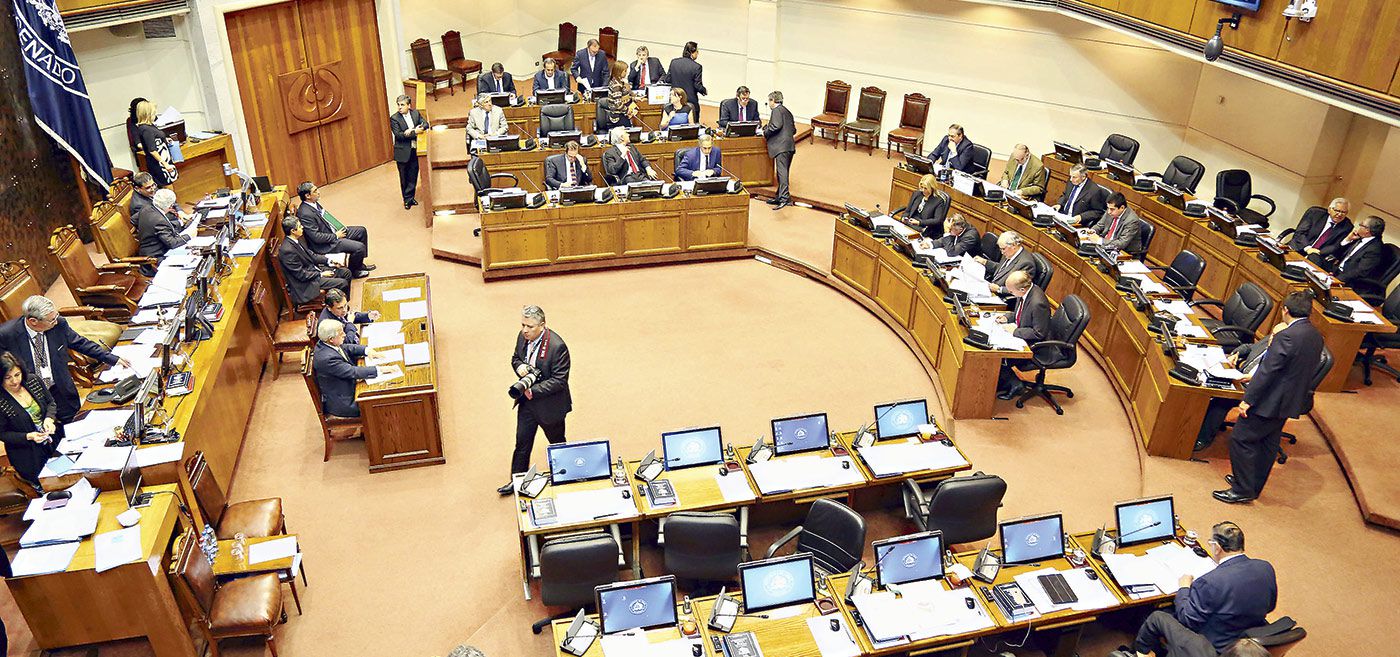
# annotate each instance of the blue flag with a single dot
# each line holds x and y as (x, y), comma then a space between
(56, 90)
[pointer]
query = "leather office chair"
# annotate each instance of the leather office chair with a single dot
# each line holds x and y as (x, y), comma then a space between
(1280, 632)
(333, 427)
(290, 336)
(111, 225)
(314, 305)
(568, 45)
(1183, 274)
(115, 287)
(832, 533)
(703, 546)
(556, 118)
(1146, 233)
(1119, 148)
(1240, 316)
(940, 214)
(1234, 189)
(1373, 290)
(1373, 341)
(426, 69)
(1182, 173)
(963, 508)
(457, 61)
(252, 518)
(570, 568)
(1058, 353)
(989, 247)
(981, 160)
(514, 182)
(607, 42)
(913, 117)
(17, 283)
(676, 158)
(834, 108)
(870, 113)
(245, 606)
(1044, 271)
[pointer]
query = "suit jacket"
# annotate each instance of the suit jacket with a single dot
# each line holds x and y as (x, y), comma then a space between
(593, 70)
(1032, 183)
(1311, 226)
(405, 148)
(686, 73)
(1022, 261)
(479, 176)
(549, 397)
(302, 268)
(336, 375)
(1364, 265)
(1129, 235)
(690, 162)
(14, 338)
(962, 161)
(968, 243)
(729, 111)
(561, 80)
(615, 165)
(654, 73)
(352, 323)
(1033, 316)
(556, 172)
(138, 201)
(1228, 600)
(1091, 202)
(929, 218)
(779, 131)
(157, 233)
(27, 456)
(318, 233)
(486, 83)
(476, 124)
(1280, 385)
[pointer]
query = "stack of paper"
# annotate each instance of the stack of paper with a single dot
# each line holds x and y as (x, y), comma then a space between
(403, 294)
(894, 225)
(62, 525)
(82, 495)
(96, 425)
(416, 353)
(99, 458)
(734, 487)
(117, 548)
(1161, 567)
(790, 474)
(1132, 267)
(413, 309)
(598, 504)
(1186, 328)
(43, 559)
(246, 247)
(924, 610)
(1091, 594)
(896, 458)
(1176, 307)
(168, 453)
(390, 373)
(281, 548)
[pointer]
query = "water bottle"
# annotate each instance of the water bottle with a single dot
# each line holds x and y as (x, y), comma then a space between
(209, 544)
(239, 550)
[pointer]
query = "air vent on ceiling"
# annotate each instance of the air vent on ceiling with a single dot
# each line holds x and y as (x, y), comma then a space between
(99, 17)
(159, 28)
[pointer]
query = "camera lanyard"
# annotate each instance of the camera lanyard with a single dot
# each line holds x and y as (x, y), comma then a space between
(542, 351)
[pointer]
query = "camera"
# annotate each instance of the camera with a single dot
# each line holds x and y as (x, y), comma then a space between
(517, 389)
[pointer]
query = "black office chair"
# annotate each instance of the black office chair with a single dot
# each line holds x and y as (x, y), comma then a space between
(1147, 232)
(1119, 148)
(1058, 353)
(1323, 367)
(1182, 173)
(1234, 189)
(981, 160)
(963, 508)
(514, 182)
(1280, 632)
(1044, 271)
(570, 567)
(832, 533)
(1240, 316)
(676, 159)
(556, 118)
(1373, 341)
(1372, 291)
(703, 546)
(989, 247)
(1184, 273)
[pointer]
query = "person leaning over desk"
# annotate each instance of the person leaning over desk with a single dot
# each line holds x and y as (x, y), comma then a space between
(338, 308)
(338, 370)
(922, 210)
(959, 237)
(1024, 174)
(406, 124)
(567, 169)
(28, 420)
(1245, 358)
(41, 339)
(779, 133)
(156, 228)
(1014, 258)
(542, 399)
(1032, 319)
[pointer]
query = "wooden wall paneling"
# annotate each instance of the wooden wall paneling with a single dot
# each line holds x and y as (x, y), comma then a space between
(1174, 14)
(342, 46)
(652, 232)
(1395, 82)
(1259, 33)
(587, 239)
(1357, 41)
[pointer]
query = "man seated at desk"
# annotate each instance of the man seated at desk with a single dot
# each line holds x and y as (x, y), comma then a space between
(498, 81)
(1119, 228)
(338, 308)
(954, 150)
(738, 108)
(337, 371)
(42, 339)
(323, 236)
(645, 71)
(549, 77)
(1321, 229)
(1024, 174)
(1171, 638)
(1359, 257)
(959, 238)
(1084, 200)
(567, 169)
(158, 227)
(485, 120)
(306, 271)
(623, 163)
(703, 161)
(1014, 258)
(143, 188)
(1032, 319)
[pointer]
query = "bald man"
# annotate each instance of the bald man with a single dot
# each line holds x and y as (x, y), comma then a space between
(1024, 174)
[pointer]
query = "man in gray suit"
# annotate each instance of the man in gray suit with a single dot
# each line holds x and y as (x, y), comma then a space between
(779, 132)
(1119, 228)
(485, 120)
(156, 229)
(1014, 258)
(337, 372)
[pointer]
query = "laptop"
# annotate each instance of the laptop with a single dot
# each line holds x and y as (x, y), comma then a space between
(571, 462)
(1032, 539)
(688, 448)
(900, 419)
(800, 433)
(640, 604)
(1145, 520)
(912, 558)
(778, 582)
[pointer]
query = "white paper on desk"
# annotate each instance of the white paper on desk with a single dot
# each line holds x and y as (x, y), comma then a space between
(1221, 372)
(1036, 591)
(381, 328)
(632, 643)
(1003, 339)
(99, 458)
(1176, 307)
(1186, 328)
(894, 225)
(588, 505)
(1202, 357)
(184, 260)
(734, 487)
(44, 559)
(201, 241)
(894, 458)
(391, 373)
(1358, 305)
(215, 202)
(117, 548)
(887, 618)
(1132, 570)
(217, 213)
(1365, 318)
(150, 336)
(416, 353)
(381, 357)
(338, 259)
(832, 644)
(254, 219)
(148, 316)
(413, 309)
(82, 495)
(246, 247)
(281, 548)
(1149, 286)
(62, 527)
(402, 294)
(383, 340)
(160, 296)
(1181, 560)
(157, 454)
(1092, 593)
(96, 423)
(1133, 267)
(140, 367)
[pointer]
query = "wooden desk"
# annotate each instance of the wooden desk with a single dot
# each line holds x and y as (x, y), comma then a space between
(803, 495)
(1065, 624)
(80, 606)
(921, 476)
(560, 629)
(777, 637)
(526, 118)
(402, 426)
(203, 169)
(959, 643)
(1085, 541)
(530, 534)
(696, 490)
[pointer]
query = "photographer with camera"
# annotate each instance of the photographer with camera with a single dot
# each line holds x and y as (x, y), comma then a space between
(541, 360)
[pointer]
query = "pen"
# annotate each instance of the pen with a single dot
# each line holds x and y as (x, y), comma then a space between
(605, 515)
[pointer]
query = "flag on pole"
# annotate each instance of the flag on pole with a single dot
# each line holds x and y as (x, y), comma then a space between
(56, 89)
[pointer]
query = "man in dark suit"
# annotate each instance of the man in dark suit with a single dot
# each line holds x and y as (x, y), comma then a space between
(306, 271)
(686, 73)
(405, 125)
(322, 237)
(546, 402)
(1359, 257)
(477, 174)
(959, 238)
(703, 161)
(779, 133)
(645, 71)
(549, 77)
(926, 210)
(1119, 228)
(1084, 200)
(590, 67)
(143, 189)
(954, 150)
(1014, 258)
(498, 81)
(1321, 229)
(1032, 319)
(1236, 596)
(41, 338)
(337, 369)
(567, 169)
(1245, 358)
(738, 108)
(1278, 391)
(157, 231)
(338, 308)
(623, 163)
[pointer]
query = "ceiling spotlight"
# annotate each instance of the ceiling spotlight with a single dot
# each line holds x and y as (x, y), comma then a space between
(1216, 45)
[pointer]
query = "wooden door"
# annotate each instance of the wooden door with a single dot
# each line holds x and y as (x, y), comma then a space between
(343, 36)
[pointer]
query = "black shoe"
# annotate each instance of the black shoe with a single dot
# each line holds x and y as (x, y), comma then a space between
(361, 274)
(771, 201)
(1006, 395)
(407, 205)
(507, 489)
(1231, 497)
(413, 201)
(1202, 445)
(782, 205)
(368, 267)
(1230, 479)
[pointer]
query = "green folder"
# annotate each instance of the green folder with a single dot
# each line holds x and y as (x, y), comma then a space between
(330, 218)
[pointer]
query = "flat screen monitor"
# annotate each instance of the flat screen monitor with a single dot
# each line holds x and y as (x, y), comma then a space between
(572, 195)
(779, 582)
(1032, 539)
(918, 163)
(691, 447)
(550, 96)
(640, 604)
(1068, 153)
(1021, 206)
(1144, 520)
(900, 419)
(570, 462)
(912, 558)
(741, 129)
(1120, 172)
(131, 479)
(801, 433)
(561, 138)
(1245, 5)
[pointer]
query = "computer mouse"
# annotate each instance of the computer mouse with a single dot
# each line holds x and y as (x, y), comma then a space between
(1091, 574)
(946, 442)
(835, 625)
(626, 494)
(723, 471)
(971, 604)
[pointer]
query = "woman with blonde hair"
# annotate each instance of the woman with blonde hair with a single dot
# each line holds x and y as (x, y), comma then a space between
(153, 142)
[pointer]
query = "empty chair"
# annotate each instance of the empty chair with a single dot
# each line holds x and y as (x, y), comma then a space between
(1044, 271)
(913, 117)
(570, 568)
(1373, 341)
(245, 606)
(834, 108)
(251, 518)
(703, 546)
(1184, 273)
(832, 533)
(1146, 233)
(607, 42)
(1324, 365)
(963, 508)
(1182, 173)
(113, 287)
(514, 182)
(870, 112)
(457, 61)
(1240, 316)
(285, 336)
(1234, 189)
(568, 43)
(989, 247)
(426, 69)
(981, 160)
(556, 118)
(1119, 148)
(1058, 353)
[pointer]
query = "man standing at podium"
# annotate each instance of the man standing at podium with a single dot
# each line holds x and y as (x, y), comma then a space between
(542, 400)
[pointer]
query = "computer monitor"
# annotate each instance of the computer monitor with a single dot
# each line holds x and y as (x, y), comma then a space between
(1144, 520)
(691, 447)
(573, 195)
(561, 138)
(1068, 153)
(741, 129)
(550, 96)
(683, 132)
(639, 604)
(570, 462)
(859, 217)
(1123, 173)
(800, 433)
(1021, 206)
(900, 419)
(912, 558)
(777, 582)
(131, 482)
(1032, 539)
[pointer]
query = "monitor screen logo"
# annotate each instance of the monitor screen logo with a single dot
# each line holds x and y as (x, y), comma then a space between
(580, 461)
(1146, 519)
(637, 607)
(693, 448)
(778, 583)
(1032, 539)
(800, 433)
(901, 418)
(910, 560)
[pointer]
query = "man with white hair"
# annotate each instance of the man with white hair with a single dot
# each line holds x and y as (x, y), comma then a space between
(623, 163)
(1014, 258)
(157, 227)
(337, 369)
(485, 120)
(41, 339)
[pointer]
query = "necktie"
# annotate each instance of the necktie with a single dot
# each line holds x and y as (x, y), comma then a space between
(1069, 209)
(498, 85)
(630, 162)
(41, 358)
(1113, 228)
(1321, 237)
(1021, 305)
(703, 160)
(642, 80)
(1016, 180)
(488, 123)
(571, 169)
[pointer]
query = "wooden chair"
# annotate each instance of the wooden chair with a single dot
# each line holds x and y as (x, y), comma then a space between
(284, 336)
(111, 226)
(457, 61)
(333, 427)
(427, 70)
(838, 102)
(607, 42)
(298, 309)
(246, 606)
(568, 44)
(115, 286)
(17, 283)
(870, 112)
(253, 518)
(912, 119)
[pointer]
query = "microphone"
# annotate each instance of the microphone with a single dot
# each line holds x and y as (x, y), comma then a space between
(865, 430)
(1155, 523)
(530, 143)
(739, 616)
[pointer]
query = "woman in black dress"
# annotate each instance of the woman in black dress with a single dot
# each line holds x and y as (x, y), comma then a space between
(28, 419)
(152, 140)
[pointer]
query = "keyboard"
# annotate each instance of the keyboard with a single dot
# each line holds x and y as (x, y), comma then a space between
(1058, 589)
